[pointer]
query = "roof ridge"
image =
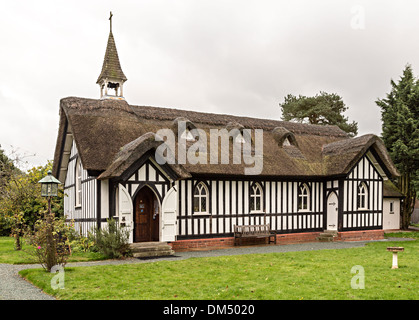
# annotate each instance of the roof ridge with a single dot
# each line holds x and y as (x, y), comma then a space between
(347, 145)
(270, 124)
(169, 114)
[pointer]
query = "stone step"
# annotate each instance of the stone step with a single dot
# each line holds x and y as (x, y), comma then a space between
(151, 249)
(331, 232)
(148, 244)
(327, 235)
(325, 239)
(149, 254)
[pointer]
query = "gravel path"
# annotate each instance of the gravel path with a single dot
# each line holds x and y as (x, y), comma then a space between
(13, 287)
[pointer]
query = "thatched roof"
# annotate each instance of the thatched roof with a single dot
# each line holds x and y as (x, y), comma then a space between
(132, 152)
(390, 190)
(111, 134)
(341, 156)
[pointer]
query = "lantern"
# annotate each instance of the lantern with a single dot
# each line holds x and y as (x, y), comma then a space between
(49, 185)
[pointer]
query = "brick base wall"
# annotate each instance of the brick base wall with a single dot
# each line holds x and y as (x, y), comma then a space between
(364, 235)
(292, 238)
(211, 243)
(289, 238)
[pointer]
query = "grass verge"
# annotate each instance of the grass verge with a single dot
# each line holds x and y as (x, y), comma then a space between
(9, 255)
(323, 274)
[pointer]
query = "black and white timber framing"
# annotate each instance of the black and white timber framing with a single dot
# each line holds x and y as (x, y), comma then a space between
(351, 217)
(229, 205)
(84, 215)
(228, 200)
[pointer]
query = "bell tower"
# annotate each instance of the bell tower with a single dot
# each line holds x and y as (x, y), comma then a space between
(111, 79)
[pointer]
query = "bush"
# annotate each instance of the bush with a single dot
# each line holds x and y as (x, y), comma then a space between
(5, 229)
(112, 241)
(79, 243)
(82, 244)
(49, 241)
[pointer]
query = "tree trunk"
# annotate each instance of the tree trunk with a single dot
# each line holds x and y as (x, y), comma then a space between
(18, 244)
(406, 188)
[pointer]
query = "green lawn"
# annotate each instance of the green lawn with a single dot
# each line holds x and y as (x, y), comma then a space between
(9, 255)
(324, 274)
(403, 234)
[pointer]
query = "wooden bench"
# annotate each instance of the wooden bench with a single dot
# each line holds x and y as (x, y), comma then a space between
(253, 231)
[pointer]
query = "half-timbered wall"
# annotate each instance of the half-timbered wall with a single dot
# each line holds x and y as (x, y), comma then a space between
(228, 201)
(353, 217)
(148, 174)
(85, 215)
(229, 205)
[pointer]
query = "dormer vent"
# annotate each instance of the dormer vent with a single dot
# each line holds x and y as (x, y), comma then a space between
(284, 137)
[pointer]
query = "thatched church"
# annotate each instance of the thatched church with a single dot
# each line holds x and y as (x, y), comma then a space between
(309, 178)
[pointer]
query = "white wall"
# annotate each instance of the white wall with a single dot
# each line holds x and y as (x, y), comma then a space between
(85, 216)
(391, 220)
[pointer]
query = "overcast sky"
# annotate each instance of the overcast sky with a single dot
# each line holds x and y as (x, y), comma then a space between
(237, 57)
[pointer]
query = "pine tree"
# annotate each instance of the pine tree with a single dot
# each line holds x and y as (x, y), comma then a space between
(400, 117)
(322, 109)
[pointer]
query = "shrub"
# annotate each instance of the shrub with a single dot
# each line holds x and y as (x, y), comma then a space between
(82, 244)
(79, 243)
(112, 241)
(49, 241)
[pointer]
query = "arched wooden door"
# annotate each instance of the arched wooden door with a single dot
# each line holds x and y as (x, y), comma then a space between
(332, 212)
(146, 216)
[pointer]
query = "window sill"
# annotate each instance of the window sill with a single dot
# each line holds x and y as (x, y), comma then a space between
(201, 214)
(363, 209)
(304, 210)
(257, 213)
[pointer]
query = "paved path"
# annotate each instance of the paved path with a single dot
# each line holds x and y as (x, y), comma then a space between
(13, 287)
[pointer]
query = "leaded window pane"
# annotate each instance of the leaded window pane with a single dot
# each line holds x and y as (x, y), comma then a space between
(203, 204)
(196, 204)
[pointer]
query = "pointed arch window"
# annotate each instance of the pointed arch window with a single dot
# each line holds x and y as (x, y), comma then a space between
(256, 198)
(362, 198)
(304, 197)
(200, 199)
(78, 186)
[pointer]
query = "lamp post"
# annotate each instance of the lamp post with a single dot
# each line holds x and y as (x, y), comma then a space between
(49, 189)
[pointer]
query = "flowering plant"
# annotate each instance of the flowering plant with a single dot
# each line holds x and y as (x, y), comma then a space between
(50, 241)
